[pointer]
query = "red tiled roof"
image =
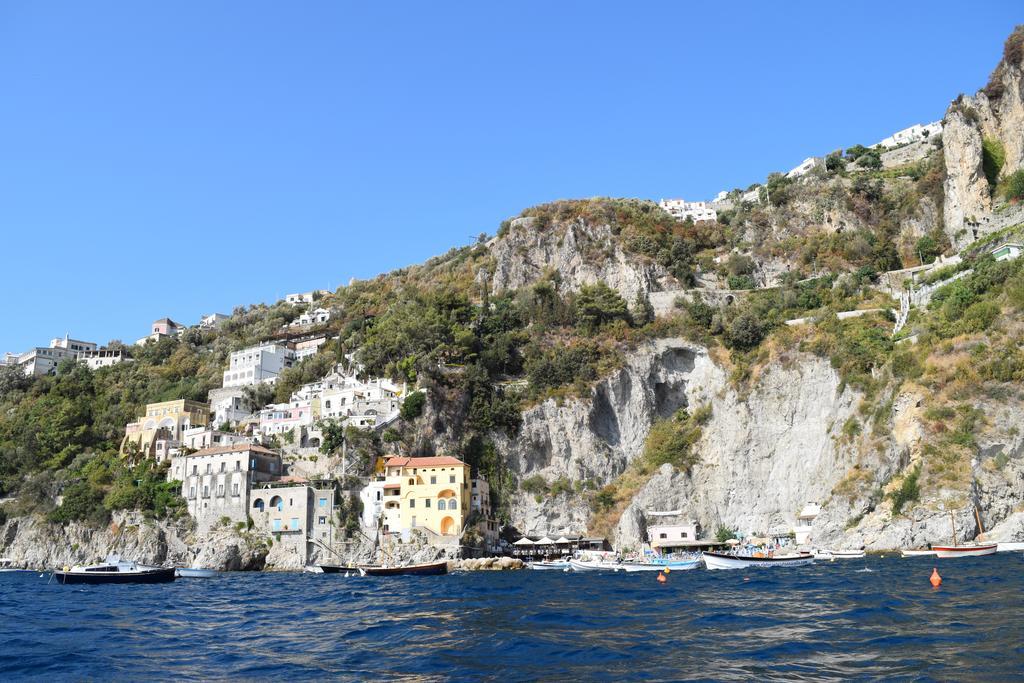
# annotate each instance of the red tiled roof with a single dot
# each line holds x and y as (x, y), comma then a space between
(436, 461)
(237, 448)
(392, 486)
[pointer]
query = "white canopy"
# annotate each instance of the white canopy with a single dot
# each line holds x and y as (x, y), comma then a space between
(523, 541)
(545, 541)
(562, 539)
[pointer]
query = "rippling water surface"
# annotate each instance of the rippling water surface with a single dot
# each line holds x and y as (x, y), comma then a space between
(831, 620)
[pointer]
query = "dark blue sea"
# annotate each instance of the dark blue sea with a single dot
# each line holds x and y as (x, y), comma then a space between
(855, 619)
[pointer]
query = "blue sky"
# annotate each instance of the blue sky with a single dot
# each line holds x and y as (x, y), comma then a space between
(188, 157)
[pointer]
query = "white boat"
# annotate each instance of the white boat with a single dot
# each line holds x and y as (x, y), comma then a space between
(838, 554)
(594, 566)
(189, 573)
(727, 561)
(115, 570)
(7, 565)
(1009, 547)
(917, 552)
(965, 550)
(676, 565)
(558, 565)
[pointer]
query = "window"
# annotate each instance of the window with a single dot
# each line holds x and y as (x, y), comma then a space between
(277, 525)
(223, 466)
(321, 520)
(412, 503)
(206, 492)
(192, 492)
(295, 523)
(195, 469)
(414, 521)
(451, 479)
(220, 491)
(682, 535)
(426, 503)
(209, 468)
(662, 535)
(323, 502)
(238, 466)
(234, 489)
(433, 479)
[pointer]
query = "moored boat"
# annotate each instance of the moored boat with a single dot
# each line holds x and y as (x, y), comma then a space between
(675, 565)
(595, 566)
(7, 565)
(557, 565)
(965, 550)
(839, 555)
(714, 560)
(190, 573)
(328, 569)
(917, 552)
(423, 569)
(114, 570)
(1009, 547)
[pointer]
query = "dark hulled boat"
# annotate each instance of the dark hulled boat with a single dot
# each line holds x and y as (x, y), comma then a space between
(424, 569)
(114, 570)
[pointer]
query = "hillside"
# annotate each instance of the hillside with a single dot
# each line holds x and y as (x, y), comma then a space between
(599, 359)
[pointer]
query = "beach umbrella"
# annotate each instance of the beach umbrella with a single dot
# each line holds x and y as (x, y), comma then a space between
(733, 541)
(561, 540)
(523, 541)
(545, 541)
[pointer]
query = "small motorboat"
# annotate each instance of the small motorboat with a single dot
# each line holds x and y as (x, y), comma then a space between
(675, 565)
(832, 555)
(190, 573)
(423, 569)
(1009, 547)
(115, 570)
(918, 552)
(556, 565)
(965, 550)
(714, 560)
(328, 569)
(595, 566)
(7, 565)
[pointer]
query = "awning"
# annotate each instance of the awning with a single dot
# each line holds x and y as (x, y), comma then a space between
(561, 540)
(545, 541)
(523, 541)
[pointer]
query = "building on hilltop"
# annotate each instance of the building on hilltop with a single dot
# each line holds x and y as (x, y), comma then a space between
(163, 328)
(805, 167)
(158, 433)
(198, 438)
(279, 418)
(102, 358)
(228, 405)
(257, 364)
(668, 538)
(681, 209)
(1007, 251)
(317, 316)
(296, 512)
(308, 346)
(44, 360)
(305, 297)
(212, 321)
(913, 134)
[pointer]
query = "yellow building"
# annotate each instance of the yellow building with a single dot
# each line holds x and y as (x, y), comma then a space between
(430, 494)
(161, 428)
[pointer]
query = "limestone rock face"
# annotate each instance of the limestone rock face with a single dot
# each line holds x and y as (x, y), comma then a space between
(966, 188)
(580, 252)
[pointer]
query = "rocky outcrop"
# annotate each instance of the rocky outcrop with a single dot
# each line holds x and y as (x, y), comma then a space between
(967, 192)
(580, 252)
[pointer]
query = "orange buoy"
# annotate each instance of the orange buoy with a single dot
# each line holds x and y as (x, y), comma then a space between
(935, 579)
(661, 577)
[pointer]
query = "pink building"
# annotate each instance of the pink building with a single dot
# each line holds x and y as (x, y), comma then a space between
(284, 417)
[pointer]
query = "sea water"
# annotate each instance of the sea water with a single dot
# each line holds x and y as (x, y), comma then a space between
(827, 621)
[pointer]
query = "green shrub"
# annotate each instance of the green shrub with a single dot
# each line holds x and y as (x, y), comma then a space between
(909, 491)
(605, 499)
(671, 440)
(724, 533)
(993, 156)
(412, 406)
(1015, 185)
(535, 484)
(598, 305)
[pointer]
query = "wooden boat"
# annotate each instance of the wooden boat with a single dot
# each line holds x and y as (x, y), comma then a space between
(713, 560)
(556, 565)
(114, 570)
(918, 552)
(189, 573)
(838, 554)
(965, 550)
(674, 565)
(328, 569)
(423, 569)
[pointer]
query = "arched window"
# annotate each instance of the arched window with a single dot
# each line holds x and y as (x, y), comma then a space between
(258, 504)
(441, 505)
(277, 502)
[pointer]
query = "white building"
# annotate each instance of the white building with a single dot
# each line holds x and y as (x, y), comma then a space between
(212, 321)
(102, 358)
(305, 297)
(805, 167)
(44, 360)
(805, 526)
(667, 537)
(1007, 251)
(681, 209)
(228, 405)
(360, 403)
(317, 316)
(308, 346)
(912, 134)
(372, 498)
(198, 438)
(257, 364)
(279, 418)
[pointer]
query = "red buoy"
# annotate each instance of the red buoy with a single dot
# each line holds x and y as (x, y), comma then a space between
(935, 579)
(661, 577)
